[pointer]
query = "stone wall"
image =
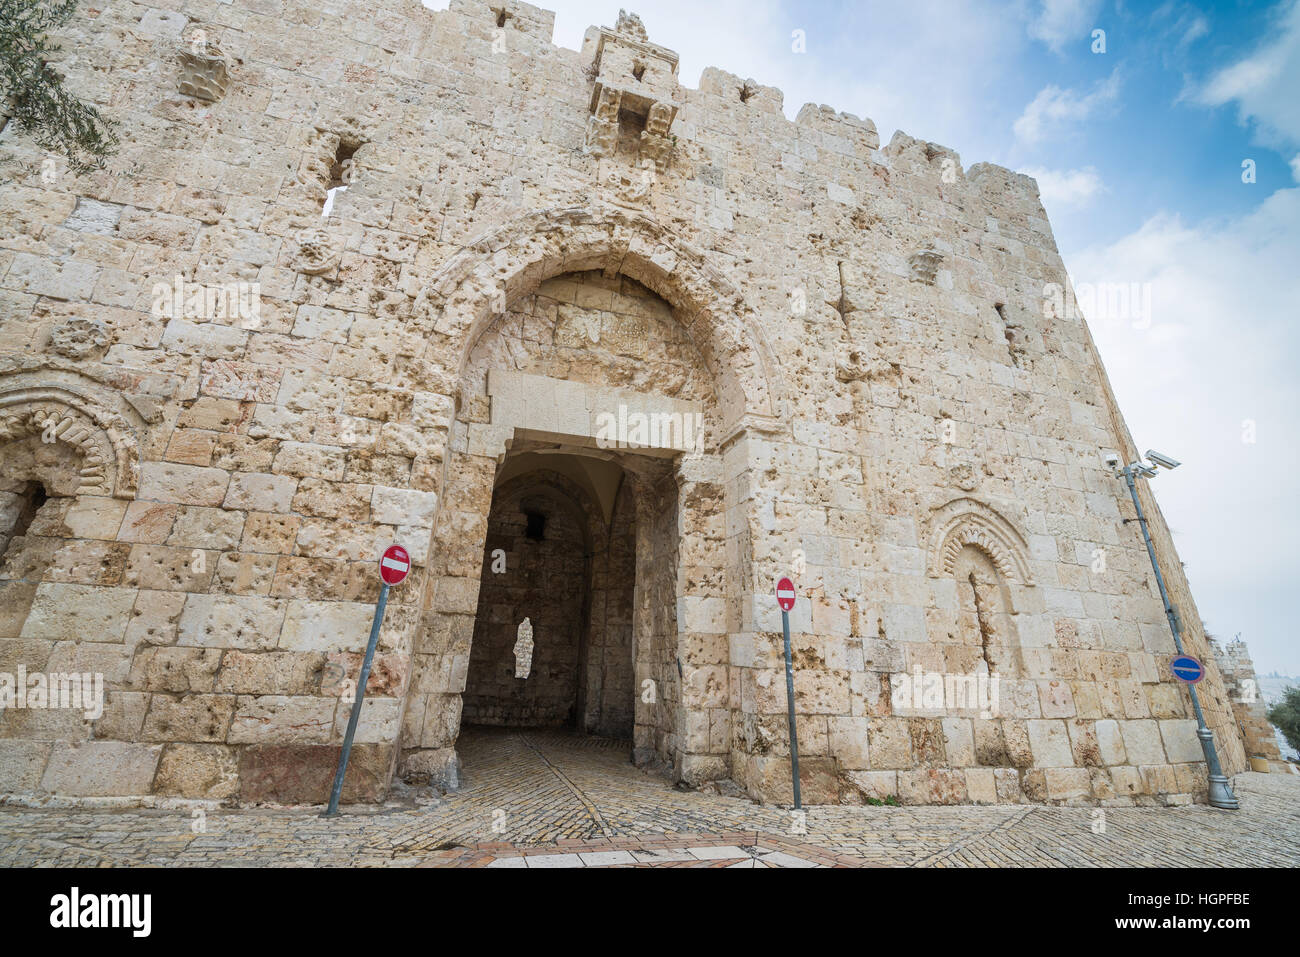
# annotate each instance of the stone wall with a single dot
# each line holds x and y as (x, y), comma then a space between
(890, 401)
(1248, 707)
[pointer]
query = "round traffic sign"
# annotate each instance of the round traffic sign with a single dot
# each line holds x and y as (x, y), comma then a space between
(1186, 668)
(395, 565)
(785, 594)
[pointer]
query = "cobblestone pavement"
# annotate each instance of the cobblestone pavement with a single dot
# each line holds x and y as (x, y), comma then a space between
(558, 800)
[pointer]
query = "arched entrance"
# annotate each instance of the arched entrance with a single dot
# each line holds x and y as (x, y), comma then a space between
(555, 558)
(568, 344)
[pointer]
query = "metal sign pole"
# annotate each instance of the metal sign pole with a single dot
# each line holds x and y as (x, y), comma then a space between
(789, 698)
(1220, 790)
(337, 790)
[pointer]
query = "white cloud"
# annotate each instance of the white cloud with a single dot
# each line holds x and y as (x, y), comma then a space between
(1221, 350)
(1056, 108)
(1062, 21)
(1264, 84)
(1071, 188)
(1295, 167)
(1198, 28)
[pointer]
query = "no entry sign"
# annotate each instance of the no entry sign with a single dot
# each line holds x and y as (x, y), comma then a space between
(1186, 668)
(785, 594)
(395, 565)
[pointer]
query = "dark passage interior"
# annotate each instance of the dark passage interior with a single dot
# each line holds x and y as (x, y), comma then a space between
(561, 551)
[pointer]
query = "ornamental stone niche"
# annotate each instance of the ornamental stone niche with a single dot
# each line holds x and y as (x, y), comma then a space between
(635, 81)
(203, 71)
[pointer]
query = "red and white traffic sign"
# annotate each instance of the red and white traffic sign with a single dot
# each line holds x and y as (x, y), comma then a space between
(785, 594)
(395, 565)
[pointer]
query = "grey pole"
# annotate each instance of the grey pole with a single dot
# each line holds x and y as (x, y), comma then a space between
(333, 809)
(1220, 792)
(789, 699)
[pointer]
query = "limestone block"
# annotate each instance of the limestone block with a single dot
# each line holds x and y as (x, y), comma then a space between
(327, 626)
(333, 500)
(198, 771)
(1180, 740)
(174, 670)
(890, 743)
(1110, 742)
(303, 773)
(1072, 785)
(91, 516)
(282, 719)
(22, 764)
(394, 506)
(1050, 744)
(164, 568)
(959, 742)
(197, 527)
(275, 672)
(147, 522)
(101, 769)
(155, 616)
(111, 660)
(1142, 742)
(1055, 699)
(932, 786)
(63, 612)
(182, 484)
(123, 716)
(849, 742)
(380, 719)
(304, 459)
(981, 786)
(191, 447)
(189, 717)
(260, 492)
(231, 621)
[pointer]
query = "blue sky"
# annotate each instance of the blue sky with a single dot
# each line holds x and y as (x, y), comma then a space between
(1138, 151)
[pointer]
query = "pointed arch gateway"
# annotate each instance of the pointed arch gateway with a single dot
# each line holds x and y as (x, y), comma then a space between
(694, 586)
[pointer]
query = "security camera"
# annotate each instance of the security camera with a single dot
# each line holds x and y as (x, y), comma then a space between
(1111, 460)
(1164, 461)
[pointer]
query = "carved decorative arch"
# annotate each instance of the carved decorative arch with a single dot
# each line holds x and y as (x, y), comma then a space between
(475, 285)
(104, 441)
(967, 521)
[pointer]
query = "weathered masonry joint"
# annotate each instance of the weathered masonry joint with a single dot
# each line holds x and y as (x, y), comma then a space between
(604, 352)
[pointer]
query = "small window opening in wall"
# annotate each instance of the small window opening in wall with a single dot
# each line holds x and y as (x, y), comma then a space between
(536, 528)
(638, 71)
(34, 496)
(630, 124)
(21, 512)
(1011, 331)
(342, 173)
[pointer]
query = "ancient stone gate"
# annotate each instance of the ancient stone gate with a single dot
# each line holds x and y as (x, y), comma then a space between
(393, 274)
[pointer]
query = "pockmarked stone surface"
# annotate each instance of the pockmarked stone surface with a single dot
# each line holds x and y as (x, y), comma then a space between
(601, 348)
(539, 799)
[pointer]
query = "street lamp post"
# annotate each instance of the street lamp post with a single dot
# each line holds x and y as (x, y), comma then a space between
(1220, 792)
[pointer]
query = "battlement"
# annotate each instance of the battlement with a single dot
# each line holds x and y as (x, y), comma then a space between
(630, 47)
